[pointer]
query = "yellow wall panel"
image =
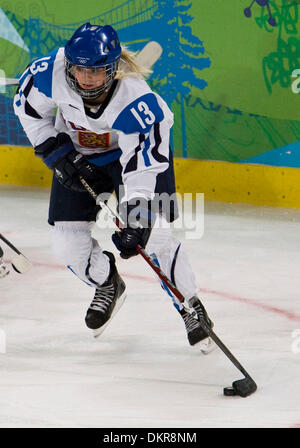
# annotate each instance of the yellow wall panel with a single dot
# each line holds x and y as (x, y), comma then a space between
(19, 166)
(234, 182)
(219, 181)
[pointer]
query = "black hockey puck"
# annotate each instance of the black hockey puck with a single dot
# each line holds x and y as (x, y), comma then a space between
(229, 391)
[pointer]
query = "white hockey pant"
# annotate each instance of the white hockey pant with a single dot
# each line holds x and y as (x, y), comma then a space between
(73, 246)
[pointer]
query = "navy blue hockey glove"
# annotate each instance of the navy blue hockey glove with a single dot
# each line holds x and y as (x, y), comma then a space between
(138, 221)
(60, 155)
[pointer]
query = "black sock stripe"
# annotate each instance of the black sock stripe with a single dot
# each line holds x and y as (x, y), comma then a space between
(173, 265)
(88, 274)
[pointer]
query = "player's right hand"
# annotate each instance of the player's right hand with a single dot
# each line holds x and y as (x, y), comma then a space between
(68, 165)
(74, 165)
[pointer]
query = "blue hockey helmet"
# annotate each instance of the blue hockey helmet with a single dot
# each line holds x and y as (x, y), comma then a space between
(92, 48)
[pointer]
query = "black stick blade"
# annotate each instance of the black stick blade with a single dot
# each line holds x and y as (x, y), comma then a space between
(244, 387)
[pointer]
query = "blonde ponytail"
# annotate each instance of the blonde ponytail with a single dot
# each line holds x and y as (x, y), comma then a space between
(129, 67)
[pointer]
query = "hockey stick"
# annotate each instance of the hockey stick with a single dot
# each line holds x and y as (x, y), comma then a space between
(20, 263)
(243, 387)
(147, 57)
(9, 81)
(149, 54)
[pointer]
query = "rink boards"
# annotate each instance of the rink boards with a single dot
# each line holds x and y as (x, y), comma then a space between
(219, 181)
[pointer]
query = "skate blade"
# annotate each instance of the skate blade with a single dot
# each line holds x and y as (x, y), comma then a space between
(120, 301)
(206, 346)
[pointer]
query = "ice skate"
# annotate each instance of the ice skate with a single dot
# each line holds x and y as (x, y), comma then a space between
(107, 300)
(195, 332)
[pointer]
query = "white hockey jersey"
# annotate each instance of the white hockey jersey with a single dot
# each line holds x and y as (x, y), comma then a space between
(133, 124)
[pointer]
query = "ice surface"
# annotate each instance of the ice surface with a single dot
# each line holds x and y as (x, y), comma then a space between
(141, 372)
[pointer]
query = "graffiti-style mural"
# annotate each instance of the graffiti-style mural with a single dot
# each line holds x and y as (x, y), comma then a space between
(261, 3)
(164, 21)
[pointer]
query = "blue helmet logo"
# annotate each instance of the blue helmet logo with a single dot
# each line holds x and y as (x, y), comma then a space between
(93, 46)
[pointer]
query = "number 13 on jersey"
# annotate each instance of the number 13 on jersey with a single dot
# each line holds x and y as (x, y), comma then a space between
(144, 115)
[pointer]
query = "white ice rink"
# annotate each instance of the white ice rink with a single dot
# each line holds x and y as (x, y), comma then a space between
(142, 371)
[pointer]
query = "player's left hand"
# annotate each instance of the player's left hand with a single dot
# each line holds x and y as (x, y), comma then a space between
(138, 222)
(127, 240)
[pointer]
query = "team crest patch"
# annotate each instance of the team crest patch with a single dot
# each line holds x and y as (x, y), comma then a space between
(91, 140)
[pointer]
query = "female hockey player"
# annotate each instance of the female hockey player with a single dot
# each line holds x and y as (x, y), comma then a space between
(112, 130)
